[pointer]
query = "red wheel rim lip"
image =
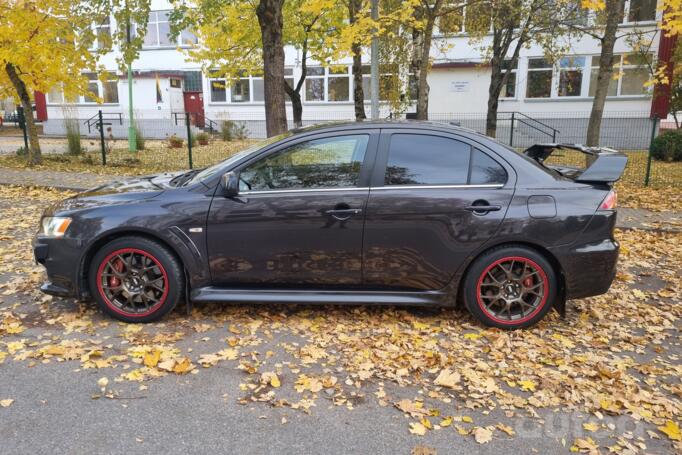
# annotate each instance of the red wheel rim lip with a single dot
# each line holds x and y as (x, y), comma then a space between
(108, 302)
(545, 295)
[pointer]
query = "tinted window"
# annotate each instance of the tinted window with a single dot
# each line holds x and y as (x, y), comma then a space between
(321, 163)
(485, 170)
(415, 159)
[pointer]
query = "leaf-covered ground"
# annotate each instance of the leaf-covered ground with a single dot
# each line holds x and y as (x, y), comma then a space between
(607, 378)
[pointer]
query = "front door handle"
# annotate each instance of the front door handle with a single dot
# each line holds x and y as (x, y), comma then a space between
(342, 214)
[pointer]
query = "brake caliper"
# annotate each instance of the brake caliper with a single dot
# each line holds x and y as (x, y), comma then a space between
(114, 281)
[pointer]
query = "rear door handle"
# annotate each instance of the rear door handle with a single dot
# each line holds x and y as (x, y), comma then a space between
(483, 208)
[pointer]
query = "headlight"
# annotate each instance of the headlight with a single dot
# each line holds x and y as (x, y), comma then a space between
(55, 226)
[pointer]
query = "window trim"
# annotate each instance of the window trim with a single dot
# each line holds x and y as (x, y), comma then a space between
(626, 15)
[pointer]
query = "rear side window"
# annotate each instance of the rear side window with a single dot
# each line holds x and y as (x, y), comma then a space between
(419, 159)
(485, 170)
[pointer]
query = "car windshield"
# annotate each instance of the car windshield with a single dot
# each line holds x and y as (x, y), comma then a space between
(212, 170)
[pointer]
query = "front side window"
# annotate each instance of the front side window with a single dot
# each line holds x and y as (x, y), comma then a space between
(158, 30)
(419, 159)
(332, 162)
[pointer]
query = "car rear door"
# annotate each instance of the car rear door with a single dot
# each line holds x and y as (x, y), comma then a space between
(298, 218)
(435, 197)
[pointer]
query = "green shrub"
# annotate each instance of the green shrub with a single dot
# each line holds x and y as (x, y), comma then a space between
(21, 151)
(226, 130)
(667, 146)
(231, 131)
(202, 138)
(73, 137)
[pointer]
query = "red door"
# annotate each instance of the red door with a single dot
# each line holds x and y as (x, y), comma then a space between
(194, 104)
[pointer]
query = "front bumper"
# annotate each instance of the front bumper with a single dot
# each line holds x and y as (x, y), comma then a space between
(589, 268)
(61, 259)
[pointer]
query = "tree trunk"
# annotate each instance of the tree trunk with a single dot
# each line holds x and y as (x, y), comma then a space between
(613, 14)
(33, 153)
(296, 104)
(423, 63)
(494, 89)
(354, 7)
(358, 90)
(269, 14)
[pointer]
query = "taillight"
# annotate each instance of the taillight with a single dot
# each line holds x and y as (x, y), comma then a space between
(610, 201)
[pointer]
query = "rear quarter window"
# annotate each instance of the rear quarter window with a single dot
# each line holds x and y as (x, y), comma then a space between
(485, 170)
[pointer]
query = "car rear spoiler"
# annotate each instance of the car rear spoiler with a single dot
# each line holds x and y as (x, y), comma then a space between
(604, 165)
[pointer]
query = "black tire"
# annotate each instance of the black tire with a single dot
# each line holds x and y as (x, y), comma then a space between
(510, 287)
(135, 279)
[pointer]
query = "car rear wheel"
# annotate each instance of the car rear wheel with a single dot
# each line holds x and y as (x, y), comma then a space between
(135, 279)
(510, 287)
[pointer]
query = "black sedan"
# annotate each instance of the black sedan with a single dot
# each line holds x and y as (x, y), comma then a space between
(399, 213)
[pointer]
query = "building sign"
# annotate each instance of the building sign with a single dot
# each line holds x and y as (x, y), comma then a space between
(459, 86)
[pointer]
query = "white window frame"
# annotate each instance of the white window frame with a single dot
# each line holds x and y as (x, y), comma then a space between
(175, 43)
(82, 98)
(251, 79)
(620, 69)
(556, 77)
(327, 74)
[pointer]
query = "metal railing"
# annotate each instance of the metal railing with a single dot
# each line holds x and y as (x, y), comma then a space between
(98, 120)
(531, 122)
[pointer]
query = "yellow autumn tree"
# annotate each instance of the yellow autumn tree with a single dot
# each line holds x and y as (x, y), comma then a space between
(45, 44)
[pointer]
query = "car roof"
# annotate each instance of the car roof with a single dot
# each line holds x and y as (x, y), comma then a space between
(364, 124)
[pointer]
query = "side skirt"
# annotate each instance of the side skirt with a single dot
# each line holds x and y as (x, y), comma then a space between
(215, 294)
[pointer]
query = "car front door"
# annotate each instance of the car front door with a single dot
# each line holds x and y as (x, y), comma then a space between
(434, 199)
(298, 218)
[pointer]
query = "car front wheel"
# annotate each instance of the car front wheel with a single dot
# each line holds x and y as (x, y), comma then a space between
(510, 287)
(135, 279)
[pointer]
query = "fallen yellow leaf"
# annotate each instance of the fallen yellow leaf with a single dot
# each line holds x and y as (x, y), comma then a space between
(672, 430)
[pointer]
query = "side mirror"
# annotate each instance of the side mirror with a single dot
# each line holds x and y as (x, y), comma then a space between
(230, 183)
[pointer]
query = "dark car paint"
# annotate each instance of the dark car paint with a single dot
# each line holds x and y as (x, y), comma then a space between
(254, 242)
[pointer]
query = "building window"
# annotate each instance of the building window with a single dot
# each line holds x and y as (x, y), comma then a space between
(389, 82)
(509, 89)
(107, 91)
(246, 89)
(240, 90)
(158, 32)
(640, 10)
(571, 76)
(539, 78)
(632, 72)
(338, 84)
(218, 90)
(314, 84)
(103, 33)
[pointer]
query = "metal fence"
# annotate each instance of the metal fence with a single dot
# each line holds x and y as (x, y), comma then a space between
(179, 140)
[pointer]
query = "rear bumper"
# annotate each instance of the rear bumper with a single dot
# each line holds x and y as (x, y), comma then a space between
(589, 268)
(60, 257)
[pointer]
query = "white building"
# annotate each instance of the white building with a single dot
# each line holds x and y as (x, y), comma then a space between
(166, 85)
